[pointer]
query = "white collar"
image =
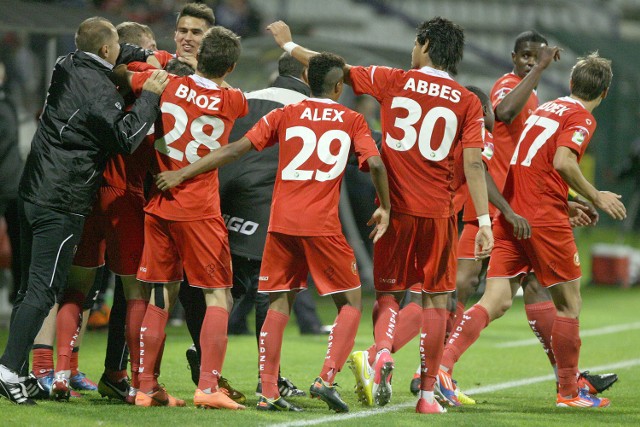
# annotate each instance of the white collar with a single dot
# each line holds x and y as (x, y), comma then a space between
(574, 101)
(100, 60)
(204, 82)
(322, 100)
(433, 72)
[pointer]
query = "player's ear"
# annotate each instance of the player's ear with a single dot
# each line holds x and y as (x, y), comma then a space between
(305, 75)
(425, 47)
(233, 67)
(605, 93)
(104, 51)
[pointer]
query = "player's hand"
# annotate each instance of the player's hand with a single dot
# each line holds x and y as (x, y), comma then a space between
(168, 179)
(546, 54)
(578, 216)
(281, 32)
(381, 219)
(156, 82)
(189, 59)
(484, 242)
(611, 204)
(521, 227)
(588, 209)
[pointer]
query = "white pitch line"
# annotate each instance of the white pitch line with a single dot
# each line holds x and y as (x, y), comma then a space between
(583, 333)
(486, 389)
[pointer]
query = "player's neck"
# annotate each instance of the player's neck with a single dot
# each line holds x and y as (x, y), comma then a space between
(588, 105)
(216, 80)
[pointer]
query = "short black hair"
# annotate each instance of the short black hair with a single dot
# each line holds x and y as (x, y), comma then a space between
(321, 78)
(198, 10)
(179, 68)
(219, 51)
(528, 36)
(93, 33)
(484, 98)
(290, 66)
(133, 32)
(446, 42)
(591, 76)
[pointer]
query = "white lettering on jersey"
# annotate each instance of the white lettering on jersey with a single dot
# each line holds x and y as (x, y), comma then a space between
(554, 108)
(328, 114)
(202, 101)
(433, 89)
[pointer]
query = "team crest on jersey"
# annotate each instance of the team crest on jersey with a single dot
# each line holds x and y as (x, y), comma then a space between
(503, 92)
(579, 135)
(354, 267)
(576, 259)
(487, 151)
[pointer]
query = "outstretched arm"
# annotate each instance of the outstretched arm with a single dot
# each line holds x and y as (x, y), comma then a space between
(227, 154)
(282, 35)
(381, 215)
(565, 162)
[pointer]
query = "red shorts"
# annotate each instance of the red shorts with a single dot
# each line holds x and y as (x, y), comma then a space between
(551, 252)
(467, 241)
(200, 248)
(288, 260)
(115, 226)
(416, 249)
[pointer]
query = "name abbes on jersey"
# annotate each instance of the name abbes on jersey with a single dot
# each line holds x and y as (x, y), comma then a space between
(327, 114)
(432, 89)
(202, 101)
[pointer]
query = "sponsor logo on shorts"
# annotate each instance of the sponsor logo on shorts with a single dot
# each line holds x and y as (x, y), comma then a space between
(330, 272)
(354, 267)
(576, 259)
(263, 278)
(211, 270)
(388, 281)
(143, 269)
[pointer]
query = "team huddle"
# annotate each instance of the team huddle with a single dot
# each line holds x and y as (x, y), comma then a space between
(507, 163)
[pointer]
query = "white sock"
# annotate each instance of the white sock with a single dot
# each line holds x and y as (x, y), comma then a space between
(7, 375)
(428, 395)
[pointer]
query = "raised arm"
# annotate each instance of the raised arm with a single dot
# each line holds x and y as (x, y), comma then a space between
(282, 35)
(513, 103)
(381, 215)
(226, 154)
(565, 162)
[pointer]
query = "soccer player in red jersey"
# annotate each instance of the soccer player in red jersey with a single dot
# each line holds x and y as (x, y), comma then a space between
(197, 115)
(315, 137)
(554, 139)
(425, 115)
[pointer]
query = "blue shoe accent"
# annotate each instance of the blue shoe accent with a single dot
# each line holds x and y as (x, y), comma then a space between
(80, 382)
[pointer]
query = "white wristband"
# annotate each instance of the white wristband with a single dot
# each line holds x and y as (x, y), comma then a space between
(484, 220)
(289, 46)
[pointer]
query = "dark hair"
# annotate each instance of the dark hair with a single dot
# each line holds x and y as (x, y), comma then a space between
(321, 78)
(133, 32)
(484, 98)
(446, 42)
(93, 33)
(290, 66)
(179, 68)
(528, 36)
(198, 10)
(219, 51)
(591, 76)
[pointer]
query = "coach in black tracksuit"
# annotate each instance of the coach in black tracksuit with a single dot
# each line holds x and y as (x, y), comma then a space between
(82, 125)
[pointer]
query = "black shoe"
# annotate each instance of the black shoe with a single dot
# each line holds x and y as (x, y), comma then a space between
(279, 404)
(285, 387)
(328, 394)
(34, 388)
(414, 387)
(234, 394)
(596, 383)
(114, 390)
(193, 359)
(16, 393)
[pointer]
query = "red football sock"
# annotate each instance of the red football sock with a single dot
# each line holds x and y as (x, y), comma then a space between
(454, 318)
(151, 342)
(270, 346)
(213, 345)
(74, 360)
(408, 326)
(434, 325)
(385, 326)
(136, 309)
(472, 322)
(42, 359)
(566, 348)
(341, 340)
(68, 321)
(541, 317)
(371, 351)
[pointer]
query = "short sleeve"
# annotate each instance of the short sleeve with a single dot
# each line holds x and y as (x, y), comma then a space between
(363, 144)
(473, 126)
(265, 133)
(372, 80)
(238, 103)
(577, 132)
(502, 89)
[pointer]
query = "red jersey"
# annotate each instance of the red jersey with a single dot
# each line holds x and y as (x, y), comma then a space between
(197, 117)
(316, 137)
(127, 172)
(162, 56)
(506, 135)
(534, 188)
(425, 115)
(462, 199)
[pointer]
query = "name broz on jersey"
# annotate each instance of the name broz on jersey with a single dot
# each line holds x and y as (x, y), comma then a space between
(202, 101)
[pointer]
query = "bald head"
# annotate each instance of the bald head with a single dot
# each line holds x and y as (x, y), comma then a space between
(93, 33)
